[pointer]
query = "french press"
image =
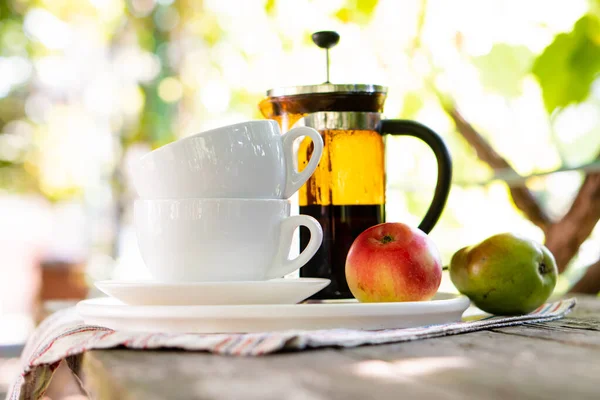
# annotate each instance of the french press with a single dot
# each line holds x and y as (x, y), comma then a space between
(346, 193)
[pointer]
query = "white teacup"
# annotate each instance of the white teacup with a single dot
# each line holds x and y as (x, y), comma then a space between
(246, 160)
(221, 239)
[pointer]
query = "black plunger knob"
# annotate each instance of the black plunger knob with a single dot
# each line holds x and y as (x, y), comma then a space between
(326, 39)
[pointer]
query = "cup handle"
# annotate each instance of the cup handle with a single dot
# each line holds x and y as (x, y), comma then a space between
(283, 265)
(295, 179)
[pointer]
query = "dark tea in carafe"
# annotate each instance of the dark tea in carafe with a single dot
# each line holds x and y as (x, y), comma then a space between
(346, 194)
(341, 225)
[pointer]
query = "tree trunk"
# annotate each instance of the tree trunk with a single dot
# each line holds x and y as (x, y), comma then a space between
(564, 237)
(590, 282)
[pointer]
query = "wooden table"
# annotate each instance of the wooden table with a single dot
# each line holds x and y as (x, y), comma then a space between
(554, 360)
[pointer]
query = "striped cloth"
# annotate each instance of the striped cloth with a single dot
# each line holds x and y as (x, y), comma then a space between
(63, 336)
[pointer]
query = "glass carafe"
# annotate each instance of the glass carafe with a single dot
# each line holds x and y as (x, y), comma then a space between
(346, 194)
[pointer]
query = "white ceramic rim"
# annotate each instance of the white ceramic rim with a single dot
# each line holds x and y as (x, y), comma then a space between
(149, 283)
(213, 200)
(110, 308)
(226, 128)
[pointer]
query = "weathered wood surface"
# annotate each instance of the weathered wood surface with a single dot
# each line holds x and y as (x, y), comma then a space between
(554, 360)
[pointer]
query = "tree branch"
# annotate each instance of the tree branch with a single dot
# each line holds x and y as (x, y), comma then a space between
(523, 198)
(590, 282)
(417, 44)
(565, 236)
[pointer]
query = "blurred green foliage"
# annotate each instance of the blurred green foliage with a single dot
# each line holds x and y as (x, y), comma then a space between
(167, 67)
(566, 70)
(356, 11)
(570, 64)
(504, 67)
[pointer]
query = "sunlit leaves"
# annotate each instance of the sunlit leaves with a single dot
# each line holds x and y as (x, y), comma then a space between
(356, 11)
(270, 7)
(365, 6)
(569, 65)
(211, 30)
(166, 18)
(503, 68)
(12, 38)
(411, 105)
(576, 131)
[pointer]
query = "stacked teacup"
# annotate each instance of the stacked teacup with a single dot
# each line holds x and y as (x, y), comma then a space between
(214, 207)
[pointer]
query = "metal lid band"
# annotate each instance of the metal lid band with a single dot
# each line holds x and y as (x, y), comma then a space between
(334, 120)
(326, 88)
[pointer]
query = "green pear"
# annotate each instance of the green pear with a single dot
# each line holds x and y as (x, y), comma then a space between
(505, 274)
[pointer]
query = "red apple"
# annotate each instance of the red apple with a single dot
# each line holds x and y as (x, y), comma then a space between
(393, 262)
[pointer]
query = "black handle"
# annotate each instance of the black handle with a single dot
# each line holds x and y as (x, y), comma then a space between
(444, 162)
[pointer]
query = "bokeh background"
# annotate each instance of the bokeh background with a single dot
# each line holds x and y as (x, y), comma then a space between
(87, 86)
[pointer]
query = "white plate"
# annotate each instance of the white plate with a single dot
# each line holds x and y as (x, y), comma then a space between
(272, 317)
(275, 291)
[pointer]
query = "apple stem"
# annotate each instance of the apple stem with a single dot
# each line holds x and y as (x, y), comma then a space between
(445, 268)
(386, 239)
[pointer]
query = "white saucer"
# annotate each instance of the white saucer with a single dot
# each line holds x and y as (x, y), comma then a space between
(274, 291)
(112, 314)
